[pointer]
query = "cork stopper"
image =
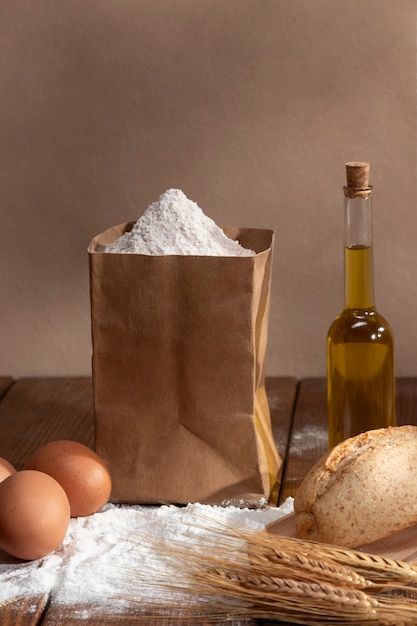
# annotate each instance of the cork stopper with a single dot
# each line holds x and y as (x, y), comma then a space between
(357, 175)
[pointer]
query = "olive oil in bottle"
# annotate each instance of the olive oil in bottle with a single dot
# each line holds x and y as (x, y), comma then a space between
(360, 350)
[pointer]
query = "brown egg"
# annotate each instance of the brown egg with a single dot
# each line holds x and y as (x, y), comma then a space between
(81, 472)
(34, 514)
(6, 469)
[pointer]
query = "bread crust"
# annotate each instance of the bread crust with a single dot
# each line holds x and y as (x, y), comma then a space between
(362, 490)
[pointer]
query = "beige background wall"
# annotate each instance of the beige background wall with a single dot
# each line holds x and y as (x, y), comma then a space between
(251, 107)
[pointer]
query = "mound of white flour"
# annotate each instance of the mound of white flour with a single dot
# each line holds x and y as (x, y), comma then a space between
(107, 560)
(176, 225)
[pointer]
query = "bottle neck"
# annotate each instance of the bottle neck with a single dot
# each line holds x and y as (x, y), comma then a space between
(359, 283)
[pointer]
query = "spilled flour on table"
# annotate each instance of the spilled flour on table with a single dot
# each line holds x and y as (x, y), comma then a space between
(107, 560)
(175, 225)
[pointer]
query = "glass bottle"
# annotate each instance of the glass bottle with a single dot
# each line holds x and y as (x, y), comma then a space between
(360, 346)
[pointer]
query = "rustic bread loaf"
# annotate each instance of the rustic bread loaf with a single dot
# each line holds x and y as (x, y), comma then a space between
(362, 490)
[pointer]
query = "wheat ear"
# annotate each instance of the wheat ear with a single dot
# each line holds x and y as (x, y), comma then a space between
(249, 573)
(375, 568)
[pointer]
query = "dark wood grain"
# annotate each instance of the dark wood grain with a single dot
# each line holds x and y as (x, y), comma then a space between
(26, 612)
(5, 383)
(38, 410)
(281, 394)
(308, 439)
(407, 401)
(77, 616)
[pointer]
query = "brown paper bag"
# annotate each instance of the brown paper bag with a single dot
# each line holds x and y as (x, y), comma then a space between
(181, 413)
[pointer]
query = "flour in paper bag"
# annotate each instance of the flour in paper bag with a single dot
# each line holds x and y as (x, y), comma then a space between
(176, 225)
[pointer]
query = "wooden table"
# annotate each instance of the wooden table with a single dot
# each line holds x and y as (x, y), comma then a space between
(36, 410)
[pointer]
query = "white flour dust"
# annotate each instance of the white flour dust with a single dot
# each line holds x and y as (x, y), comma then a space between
(176, 225)
(107, 560)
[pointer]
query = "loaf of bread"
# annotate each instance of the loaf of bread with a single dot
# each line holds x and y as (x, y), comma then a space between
(363, 490)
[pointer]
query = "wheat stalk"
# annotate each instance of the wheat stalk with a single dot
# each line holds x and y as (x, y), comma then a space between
(308, 566)
(319, 556)
(375, 568)
(259, 594)
(247, 573)
(266, 589)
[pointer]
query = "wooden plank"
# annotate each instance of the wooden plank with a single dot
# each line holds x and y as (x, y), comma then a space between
(5, 383)
(27, 612)
(406, 401)
(308, 439)
(38, 410)
(33, 412)
(281, 392)
(79, 616)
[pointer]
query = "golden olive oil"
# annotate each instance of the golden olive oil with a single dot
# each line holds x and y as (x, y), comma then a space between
(359, 293)
(360, 382)
(360, 346)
